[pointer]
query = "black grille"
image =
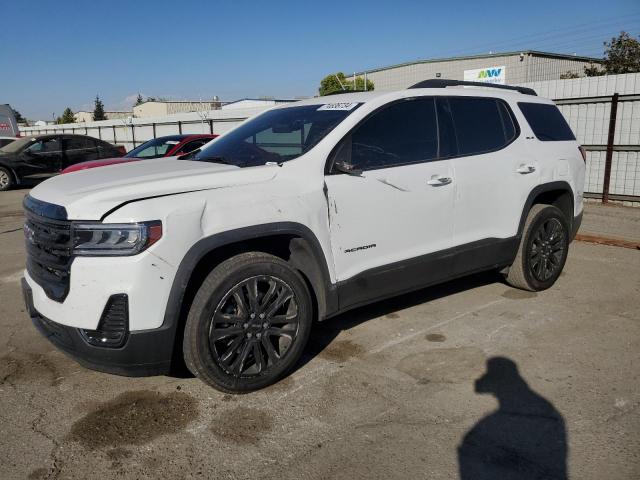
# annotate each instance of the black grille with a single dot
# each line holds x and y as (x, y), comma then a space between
(49, 248)
(114, 324)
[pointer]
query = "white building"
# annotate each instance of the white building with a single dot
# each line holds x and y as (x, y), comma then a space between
(510, 68)
(83, 116)
(163, 108)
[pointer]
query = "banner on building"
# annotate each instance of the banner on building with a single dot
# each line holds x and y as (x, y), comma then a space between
(486, 75)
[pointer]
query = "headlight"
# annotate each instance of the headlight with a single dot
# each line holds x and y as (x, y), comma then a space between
(115, 239)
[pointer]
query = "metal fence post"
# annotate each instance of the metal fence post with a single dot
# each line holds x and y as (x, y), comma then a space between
(154, 129)
(133, 135)
(99, 132)
(114, 134)
(609, 158)
(180, 128)
(211, 127)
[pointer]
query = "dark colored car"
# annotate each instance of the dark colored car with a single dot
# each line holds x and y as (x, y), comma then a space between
(46, 155)
(169, 146)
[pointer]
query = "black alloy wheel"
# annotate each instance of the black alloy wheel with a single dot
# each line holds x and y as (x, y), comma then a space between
(248, 324)
(547, 250)
(253, 326)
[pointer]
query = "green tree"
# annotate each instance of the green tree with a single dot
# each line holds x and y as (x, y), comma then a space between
(139, 100)
(622, 55)
(67, 116)
(19, 117)
(337, 82)
(98, 110)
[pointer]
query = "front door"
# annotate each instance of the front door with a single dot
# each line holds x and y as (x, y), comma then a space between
(386, 220)
(41, 158)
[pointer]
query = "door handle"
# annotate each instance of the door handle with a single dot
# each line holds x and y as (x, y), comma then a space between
(524, 169)
(437, 181)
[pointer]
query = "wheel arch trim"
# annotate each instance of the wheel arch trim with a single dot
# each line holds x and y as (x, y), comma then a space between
(539, 190)
(208, 244)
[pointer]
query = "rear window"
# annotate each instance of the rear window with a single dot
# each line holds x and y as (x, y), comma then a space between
(547, 122)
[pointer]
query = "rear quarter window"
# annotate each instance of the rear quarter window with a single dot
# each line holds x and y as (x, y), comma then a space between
(547, 122)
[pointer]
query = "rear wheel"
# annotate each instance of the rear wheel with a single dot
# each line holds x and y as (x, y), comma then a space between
(6, 179)
(248, 324)
(543, 249)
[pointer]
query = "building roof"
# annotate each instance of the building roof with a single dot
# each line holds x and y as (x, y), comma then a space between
(218, 101)
(534, 53)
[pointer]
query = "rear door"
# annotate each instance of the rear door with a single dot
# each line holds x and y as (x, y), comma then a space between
(494, 174)
(78, 149)
(399, 208)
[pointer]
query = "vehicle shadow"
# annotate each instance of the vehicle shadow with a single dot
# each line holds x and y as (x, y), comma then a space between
(524, 439)
(323, 333)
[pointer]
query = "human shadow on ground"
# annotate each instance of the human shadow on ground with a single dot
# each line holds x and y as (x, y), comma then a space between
(524, 439)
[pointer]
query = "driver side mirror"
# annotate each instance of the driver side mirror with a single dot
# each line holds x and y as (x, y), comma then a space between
(347, 168)
(342, 159)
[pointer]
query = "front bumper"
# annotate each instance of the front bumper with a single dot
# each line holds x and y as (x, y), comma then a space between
(145, 352)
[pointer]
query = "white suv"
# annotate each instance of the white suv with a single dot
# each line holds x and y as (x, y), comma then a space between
(225, 257)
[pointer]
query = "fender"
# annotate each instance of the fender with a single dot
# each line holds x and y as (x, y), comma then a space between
(545, 187)
(310, 260)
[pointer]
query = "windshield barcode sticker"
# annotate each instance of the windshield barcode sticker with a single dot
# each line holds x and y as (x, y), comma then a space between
(338, 106)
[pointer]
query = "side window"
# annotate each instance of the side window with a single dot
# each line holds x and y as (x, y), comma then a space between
(191, 146)
(402, 133)
(77, 143)
(479, 124)
(47, 145)
(547, 122)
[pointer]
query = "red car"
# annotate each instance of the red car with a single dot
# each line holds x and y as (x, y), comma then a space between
(168, 146)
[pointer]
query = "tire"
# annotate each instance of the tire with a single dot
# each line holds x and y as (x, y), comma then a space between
(238, 342)
(543, 249)
(6, 179)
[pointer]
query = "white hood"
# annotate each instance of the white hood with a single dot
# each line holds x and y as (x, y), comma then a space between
(89, 194)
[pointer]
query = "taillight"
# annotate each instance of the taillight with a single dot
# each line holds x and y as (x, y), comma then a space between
(583, 152)
(122, 150)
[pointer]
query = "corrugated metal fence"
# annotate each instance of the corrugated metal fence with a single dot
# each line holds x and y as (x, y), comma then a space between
(134, 131)
(604, 113)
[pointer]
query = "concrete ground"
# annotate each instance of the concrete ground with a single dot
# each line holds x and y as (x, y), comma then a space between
(386, 391)
(611, 221)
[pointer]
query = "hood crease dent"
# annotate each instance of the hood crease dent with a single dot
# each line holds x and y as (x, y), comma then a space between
(93, 193)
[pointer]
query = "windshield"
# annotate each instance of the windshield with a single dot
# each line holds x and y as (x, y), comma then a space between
(158, 147)
(278, 135)
(17, 145)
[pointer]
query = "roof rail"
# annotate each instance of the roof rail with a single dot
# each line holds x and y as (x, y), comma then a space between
(443, 83)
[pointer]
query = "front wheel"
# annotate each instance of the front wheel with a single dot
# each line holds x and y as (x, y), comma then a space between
(6, 179)
(248, 324)
(543, 249)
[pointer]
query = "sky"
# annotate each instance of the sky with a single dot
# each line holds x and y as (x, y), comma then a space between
(58, 54)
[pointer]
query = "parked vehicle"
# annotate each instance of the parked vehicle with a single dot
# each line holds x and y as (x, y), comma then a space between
(46, 155)
(303, 212)
(8, 124)
(6, 140)
(171, 145)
